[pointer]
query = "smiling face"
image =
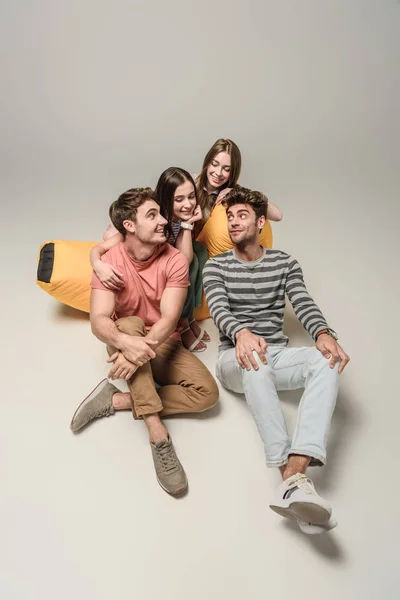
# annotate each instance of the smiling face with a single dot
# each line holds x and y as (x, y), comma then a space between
(218, 171)
(243, 225)
(184, 201)
(148, 225)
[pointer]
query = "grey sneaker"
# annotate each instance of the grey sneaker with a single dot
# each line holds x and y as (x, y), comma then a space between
(169, 471)
(98, 404)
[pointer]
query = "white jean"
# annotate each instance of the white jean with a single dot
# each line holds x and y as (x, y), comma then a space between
(287, 369)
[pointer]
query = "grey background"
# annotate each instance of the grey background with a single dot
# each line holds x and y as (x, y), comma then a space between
(98, 97)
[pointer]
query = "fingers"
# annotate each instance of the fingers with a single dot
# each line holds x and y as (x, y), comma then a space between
(245, 362)
(118, 283)
(117, 275)
(246, 359)
(344, 359)
(263, 358)
(110, 286)
(113, 357)
(262, 350)
(252, 360)
(334, 359)
(239, 358)
(111, 374)
(130, 373)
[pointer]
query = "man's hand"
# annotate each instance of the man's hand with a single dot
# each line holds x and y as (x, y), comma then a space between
(137, 350)
(329, 348)
(122, 368)
(246, 343)
(109, 276)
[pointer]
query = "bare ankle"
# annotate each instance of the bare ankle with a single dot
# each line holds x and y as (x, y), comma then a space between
(157, 429)
(296, 464)
(122, 401)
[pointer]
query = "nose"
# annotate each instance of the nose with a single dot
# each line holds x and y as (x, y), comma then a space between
(163, 221)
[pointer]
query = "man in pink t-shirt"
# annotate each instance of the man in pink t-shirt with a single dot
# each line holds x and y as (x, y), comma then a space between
(138, 323)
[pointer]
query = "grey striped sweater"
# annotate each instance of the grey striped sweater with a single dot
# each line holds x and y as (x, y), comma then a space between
(252, 294)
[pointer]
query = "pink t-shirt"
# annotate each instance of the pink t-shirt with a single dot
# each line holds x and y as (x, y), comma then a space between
(145, 281)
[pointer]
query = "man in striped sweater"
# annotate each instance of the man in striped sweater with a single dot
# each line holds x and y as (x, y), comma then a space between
(245, 289)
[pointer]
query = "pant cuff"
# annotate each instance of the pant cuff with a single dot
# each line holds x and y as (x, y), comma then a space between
(316, 459)
(275, 464)
(139, 413)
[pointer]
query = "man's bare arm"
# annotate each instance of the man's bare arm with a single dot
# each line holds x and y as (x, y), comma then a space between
(136, 349)
(171, 306)
(102, 306)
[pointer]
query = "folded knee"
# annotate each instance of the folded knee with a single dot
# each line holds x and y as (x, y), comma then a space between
(131, 326)
(209, 394)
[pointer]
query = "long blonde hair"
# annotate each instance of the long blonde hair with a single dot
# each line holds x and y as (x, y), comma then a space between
(206, 200)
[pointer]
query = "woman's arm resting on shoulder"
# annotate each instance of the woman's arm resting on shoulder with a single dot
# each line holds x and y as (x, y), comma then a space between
(109, 276)
(273, 212)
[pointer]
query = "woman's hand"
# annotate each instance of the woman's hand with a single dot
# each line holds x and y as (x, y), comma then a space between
(109, 276)
(196, 216)
(221, 196)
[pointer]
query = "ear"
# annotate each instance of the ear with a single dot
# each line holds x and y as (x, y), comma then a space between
(129, 225)
(261, 222)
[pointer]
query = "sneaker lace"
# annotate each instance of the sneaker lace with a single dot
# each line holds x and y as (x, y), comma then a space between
(304, 484)
(103, 412)
(167, 457)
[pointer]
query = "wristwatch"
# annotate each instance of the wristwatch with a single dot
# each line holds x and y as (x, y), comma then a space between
(187, 225)
(328, 331)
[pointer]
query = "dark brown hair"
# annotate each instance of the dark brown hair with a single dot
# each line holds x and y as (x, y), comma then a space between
(169, 180)
(241, 195)
(125, 208)
(221, 145)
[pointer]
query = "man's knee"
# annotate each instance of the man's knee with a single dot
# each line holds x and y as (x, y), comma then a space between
(264, 369)
(208, 393)
(131, 326)
(321, 365)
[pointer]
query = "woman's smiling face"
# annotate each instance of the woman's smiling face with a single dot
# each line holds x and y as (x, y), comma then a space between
(218, 171)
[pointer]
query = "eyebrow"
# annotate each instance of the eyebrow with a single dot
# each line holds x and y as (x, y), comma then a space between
(150, 211)
(242, 210)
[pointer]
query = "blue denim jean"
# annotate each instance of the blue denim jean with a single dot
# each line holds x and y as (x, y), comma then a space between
(287, 369)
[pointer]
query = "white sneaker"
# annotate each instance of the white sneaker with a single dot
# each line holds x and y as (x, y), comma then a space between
(311, 529)
(297, 499)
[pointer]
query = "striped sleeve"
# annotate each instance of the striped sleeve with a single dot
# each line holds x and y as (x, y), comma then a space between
(218, 302)
(304, 306)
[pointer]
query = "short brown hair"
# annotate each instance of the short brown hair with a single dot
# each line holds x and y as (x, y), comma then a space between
(125, 208)
(241, 195)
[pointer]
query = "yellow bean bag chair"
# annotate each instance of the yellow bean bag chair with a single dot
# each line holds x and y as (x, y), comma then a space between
(64, 269)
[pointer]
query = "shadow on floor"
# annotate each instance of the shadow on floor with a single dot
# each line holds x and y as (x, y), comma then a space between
(63, 311)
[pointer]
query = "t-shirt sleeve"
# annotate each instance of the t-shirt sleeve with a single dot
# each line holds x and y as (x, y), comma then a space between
(178, 272)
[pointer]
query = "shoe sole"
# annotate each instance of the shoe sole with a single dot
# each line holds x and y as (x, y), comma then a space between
(92, 394)
(304, 511)
(175, 492)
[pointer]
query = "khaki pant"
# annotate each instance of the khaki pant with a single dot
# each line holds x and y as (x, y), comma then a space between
(187, 386)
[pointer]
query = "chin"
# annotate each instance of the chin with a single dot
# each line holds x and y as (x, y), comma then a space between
(160, 239)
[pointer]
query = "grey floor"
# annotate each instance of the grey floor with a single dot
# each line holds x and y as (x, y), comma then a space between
(98, 98)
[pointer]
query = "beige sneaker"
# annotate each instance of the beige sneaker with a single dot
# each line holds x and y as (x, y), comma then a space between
(98, 404)
(169, 471)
